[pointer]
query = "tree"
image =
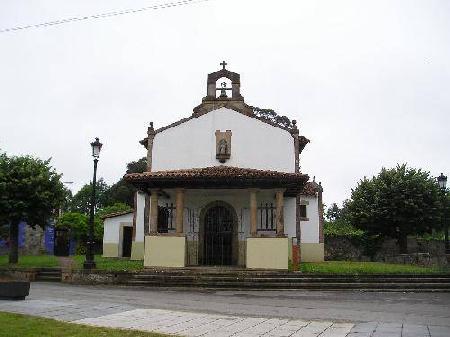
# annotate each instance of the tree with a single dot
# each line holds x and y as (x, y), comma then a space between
(333, 212)
(396, 203)
(81, 201)
(116, 208)
(122, 191)
(77, 223)
(138, 166)
(30, 191)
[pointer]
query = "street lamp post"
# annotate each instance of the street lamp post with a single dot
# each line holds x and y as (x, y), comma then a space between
(90, 263)
(442, 181)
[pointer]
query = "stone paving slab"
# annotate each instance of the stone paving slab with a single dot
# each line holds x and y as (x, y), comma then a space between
(189, 324)
(185, 323)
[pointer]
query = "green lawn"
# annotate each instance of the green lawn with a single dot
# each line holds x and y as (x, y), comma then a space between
(14, 325)
(329, 267)
(346, 267)
(30, 261)
(110, 263)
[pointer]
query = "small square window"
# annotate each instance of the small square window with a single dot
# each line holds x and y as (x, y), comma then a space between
(303, 211)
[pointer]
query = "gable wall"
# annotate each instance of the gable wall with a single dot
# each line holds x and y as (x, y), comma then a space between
(254, 144)
(310, 228)
(111, 227)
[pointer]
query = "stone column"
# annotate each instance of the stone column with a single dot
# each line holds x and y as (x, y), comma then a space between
(279, 213)
(321, 220)
(179, 220)
(134, 216)
(150, 136)
(295, 135)
(154, 212)
(253, 213)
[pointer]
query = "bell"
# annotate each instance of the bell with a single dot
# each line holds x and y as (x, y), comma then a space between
(223, 92)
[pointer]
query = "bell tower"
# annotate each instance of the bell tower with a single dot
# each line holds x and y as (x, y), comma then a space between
(212, 101)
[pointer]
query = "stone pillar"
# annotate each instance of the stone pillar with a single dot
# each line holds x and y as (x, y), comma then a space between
(134, 216)
(179, 220)
(147, 214)
(154, 212)
(139, 226)
(253, 213)
(150, 136)
(279, 213)
(295, 135)
(321, 220)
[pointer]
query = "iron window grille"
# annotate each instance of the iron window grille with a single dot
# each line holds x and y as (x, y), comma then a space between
(166, 215)
(266, 215)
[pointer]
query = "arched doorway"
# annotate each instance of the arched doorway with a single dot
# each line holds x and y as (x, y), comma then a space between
(218, 233)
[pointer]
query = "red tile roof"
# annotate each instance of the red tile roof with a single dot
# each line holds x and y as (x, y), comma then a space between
(214, 172)
(113, 215)
(219, 177)
(310, 189)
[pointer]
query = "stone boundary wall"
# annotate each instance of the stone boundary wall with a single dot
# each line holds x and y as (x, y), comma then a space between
(421, 252)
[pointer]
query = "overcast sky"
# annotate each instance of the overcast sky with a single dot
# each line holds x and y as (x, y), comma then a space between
(368, 81)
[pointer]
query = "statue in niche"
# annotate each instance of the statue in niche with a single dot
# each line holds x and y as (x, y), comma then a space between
(223, 145)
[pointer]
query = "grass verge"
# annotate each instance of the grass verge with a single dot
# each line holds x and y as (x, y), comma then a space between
(31, 261)
(347, 267)
(16, 325)
(110, 263)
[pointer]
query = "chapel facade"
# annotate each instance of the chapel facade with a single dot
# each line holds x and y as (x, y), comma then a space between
(223, 187)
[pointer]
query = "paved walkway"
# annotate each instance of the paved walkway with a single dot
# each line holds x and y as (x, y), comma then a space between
(196, 324)
(245, 313)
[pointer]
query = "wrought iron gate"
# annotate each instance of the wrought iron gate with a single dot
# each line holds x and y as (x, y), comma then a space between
(218, 237)
(62, 241)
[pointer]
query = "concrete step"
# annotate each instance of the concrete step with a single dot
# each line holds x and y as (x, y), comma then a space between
(285, 284)
(289, 280)
(260, 279)
(49, 275)
(245, 272)
(311, 279)
(311, 286)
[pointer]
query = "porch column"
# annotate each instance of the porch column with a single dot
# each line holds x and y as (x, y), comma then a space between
(153, 212)
(179, 220)
(253, 213)
(279, 212)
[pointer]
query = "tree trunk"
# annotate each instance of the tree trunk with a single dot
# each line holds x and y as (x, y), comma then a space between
(14, 242)
(403, 243)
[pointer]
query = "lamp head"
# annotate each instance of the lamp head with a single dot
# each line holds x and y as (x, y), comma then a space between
(442, 181)
(96, 147)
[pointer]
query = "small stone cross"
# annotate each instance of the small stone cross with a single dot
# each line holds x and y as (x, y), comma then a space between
(223, 64)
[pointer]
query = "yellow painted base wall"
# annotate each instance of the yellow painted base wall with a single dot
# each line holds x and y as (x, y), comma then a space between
(137, 251)
(110, 249)
(267, 253)
(165, 251)
(312, 252)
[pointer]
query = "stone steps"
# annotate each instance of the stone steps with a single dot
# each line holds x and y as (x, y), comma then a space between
(306, 286)
(302, 279)
(49, 275)
(245, 279)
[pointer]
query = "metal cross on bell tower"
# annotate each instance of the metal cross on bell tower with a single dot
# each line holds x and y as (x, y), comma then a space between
(223, 86)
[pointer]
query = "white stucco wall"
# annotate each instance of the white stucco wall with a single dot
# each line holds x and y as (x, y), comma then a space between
(289, 217)
(310, 228)
(140, 207)
(254, 144)
(111, 227)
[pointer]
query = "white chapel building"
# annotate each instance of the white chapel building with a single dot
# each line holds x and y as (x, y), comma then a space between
(223, 187)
